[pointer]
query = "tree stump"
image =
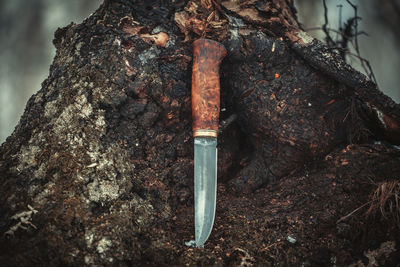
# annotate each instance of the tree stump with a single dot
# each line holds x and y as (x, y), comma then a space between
(99, 170)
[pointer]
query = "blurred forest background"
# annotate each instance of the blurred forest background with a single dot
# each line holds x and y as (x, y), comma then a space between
(26, 50)
(27, 28)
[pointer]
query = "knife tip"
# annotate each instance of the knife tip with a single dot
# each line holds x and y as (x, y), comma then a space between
(193, 244)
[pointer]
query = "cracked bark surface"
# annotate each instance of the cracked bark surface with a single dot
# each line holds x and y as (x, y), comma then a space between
(103, 152)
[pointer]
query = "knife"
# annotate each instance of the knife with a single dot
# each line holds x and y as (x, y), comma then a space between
(207, 57)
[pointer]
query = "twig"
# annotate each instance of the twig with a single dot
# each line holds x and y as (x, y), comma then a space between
(351, 213)
(335, 31)
(340, 21)
(329, 40)
(364, 63)
(347, 35)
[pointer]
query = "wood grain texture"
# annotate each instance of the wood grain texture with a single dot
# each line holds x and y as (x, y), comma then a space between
(207, 57)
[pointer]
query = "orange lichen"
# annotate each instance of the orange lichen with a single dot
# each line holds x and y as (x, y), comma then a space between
(331, 102)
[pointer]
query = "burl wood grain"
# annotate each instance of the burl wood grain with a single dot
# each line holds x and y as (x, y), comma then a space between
(207, 57)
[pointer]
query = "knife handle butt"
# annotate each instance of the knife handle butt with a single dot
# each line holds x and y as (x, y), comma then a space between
(207, 57)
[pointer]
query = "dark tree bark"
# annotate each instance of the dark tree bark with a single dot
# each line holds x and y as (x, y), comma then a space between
(99, 170)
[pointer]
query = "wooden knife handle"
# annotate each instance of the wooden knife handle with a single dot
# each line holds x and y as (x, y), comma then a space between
(207, 57)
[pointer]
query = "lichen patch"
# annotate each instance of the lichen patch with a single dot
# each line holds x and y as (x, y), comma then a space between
(27, 156)
(305, 37)
(103, 190)
(103, 245)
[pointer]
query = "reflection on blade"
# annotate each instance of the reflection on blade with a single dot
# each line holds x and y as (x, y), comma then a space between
(205, 187)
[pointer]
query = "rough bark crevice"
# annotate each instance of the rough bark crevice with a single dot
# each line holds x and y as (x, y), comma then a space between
(103, 152)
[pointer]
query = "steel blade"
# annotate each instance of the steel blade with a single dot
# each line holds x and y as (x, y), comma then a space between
(205, 187)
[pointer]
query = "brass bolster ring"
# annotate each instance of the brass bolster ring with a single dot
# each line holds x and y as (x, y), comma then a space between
(205, 133)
